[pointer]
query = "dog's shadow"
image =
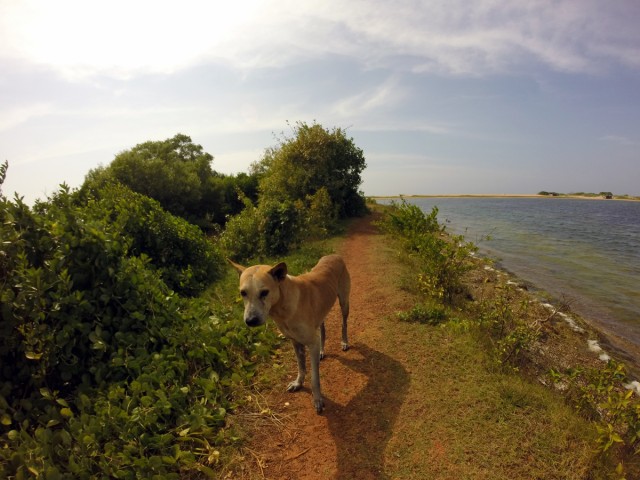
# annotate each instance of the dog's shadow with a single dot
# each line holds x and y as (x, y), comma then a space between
(363, 427)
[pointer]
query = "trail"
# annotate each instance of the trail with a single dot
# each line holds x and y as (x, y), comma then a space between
(363, 388)
(411, 402)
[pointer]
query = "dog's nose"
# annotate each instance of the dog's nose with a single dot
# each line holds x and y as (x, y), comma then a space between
(252, 321)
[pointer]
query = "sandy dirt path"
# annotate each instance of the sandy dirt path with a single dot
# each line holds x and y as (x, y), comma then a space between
(363, 388)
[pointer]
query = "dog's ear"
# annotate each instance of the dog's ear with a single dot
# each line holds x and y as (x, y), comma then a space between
(237, 267)
(279, 272)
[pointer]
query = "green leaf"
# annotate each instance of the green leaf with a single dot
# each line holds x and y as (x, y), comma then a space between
(616, 438)
(207, 471)
(46, 393)
(66, 412)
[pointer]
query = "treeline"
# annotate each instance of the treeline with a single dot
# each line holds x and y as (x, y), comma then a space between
(111, 365)
(577, 194)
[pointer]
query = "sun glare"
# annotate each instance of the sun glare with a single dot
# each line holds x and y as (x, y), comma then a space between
(119, 37)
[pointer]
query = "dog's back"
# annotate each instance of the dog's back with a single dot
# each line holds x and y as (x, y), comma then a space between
(328, 279)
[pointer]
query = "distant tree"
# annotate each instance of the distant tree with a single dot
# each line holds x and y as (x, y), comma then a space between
(228, 192)
(178, 174)
(312, 159)
(175, 172)
(3, 174)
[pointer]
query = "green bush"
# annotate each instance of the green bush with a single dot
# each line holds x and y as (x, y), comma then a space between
(241, 236)
(442, 261)
(510, 336)
(322, 214)
(409, 222)
(182, 255)
(72, 300)
(315, 158)
(272, 228)
(280, 226)
(104, 370)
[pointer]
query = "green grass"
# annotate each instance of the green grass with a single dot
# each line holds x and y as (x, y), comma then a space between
(462, 419)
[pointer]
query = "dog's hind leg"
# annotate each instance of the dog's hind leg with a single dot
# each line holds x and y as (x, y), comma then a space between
(314, 353)
(302, 369)
(322, 337)
(343, 297)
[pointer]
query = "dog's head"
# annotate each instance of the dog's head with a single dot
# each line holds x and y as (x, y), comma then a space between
(260, 290)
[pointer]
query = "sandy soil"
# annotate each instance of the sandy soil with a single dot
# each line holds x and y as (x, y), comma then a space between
(339, 443)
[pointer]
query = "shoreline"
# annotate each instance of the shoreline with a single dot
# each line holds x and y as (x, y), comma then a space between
(610, 334)
(613, 342)
(506, 195)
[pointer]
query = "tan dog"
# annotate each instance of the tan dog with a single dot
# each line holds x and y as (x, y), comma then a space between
(299, 306)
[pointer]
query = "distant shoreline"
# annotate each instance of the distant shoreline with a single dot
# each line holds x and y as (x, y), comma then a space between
(507, 195)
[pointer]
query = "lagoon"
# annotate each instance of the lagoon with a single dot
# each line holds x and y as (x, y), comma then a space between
(586, 252)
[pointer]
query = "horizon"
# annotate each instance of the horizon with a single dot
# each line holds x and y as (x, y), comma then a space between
(479, 98)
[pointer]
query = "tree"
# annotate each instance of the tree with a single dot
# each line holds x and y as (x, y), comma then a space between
(3, 174)
(312, 159)
(175, 172)
(178, 174)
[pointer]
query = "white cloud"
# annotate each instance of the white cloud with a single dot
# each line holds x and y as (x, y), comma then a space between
(386, 95)
(12, 117)
(125, 38)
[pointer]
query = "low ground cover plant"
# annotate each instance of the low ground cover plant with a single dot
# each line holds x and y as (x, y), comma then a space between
(107, 367)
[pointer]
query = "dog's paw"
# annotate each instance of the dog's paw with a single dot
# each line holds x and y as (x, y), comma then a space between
(319, 405)
(322, 355)
(345, 346)
(294, 386)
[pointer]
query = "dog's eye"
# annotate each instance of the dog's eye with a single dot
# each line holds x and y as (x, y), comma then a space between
(264, 293)
(243, 293)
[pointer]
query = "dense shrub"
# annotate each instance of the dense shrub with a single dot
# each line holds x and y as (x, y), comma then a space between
(241, 236)
(306, 184)
(442, 261)
(270, 229)
(280, 226)
(322, 214)
(312, 159)
(104, 370)
(185, 259)
(74, 304)
(409, 222)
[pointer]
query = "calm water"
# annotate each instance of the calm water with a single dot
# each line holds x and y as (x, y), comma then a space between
(587, 251)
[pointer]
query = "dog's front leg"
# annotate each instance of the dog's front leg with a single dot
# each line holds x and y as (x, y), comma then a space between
(302, 369)
(314, 352)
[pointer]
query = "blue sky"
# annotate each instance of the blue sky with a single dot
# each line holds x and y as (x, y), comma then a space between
(444, 97)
